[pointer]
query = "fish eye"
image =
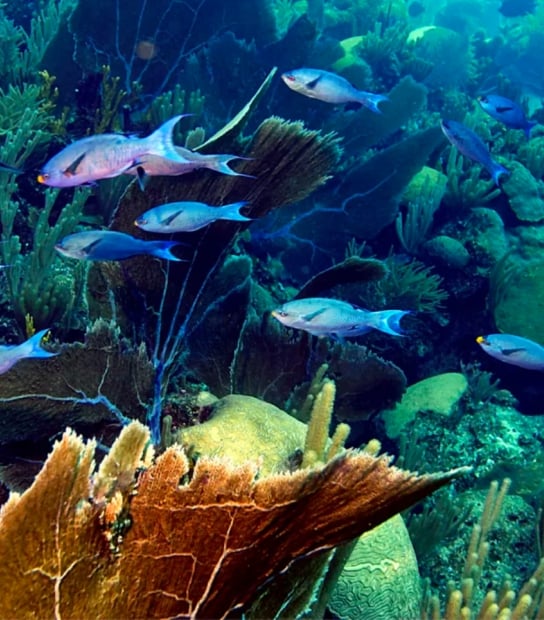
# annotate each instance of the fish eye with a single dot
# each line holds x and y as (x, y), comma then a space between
(42, 178)
(290, 77)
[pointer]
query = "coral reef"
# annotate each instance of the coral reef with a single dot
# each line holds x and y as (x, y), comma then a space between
(229, 527)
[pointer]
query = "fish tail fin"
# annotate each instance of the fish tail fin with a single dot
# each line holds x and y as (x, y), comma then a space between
(232, 212)
(497, 171)
(220, 163)
(529, 127)
(32, 347)
(388, 321)
(161, 141)
(372, 101)
(163, 249)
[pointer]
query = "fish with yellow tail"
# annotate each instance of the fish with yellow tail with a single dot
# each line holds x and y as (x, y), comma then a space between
(514, 350)
(108, 155)
(323, 316)
(31, 348)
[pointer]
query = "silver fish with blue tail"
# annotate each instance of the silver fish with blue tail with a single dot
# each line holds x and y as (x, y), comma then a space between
(107, 155)
(331, 88)
(514, 350)
(473, 147)
(323, 316)
(507, 112)
(112, 245)
(31, 348)
(174, 217)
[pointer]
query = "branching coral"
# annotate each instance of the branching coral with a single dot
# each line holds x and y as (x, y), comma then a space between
(174, 549)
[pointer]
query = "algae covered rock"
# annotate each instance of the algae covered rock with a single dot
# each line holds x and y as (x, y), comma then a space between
(440, 394)
(518, 300)
(525, 193)
(244, 428)
(448, 251)
(380, 581)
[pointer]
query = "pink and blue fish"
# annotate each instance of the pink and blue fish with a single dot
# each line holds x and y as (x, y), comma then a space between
(108, 155)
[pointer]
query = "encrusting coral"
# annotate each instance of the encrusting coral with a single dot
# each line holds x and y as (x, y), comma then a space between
(145, 544)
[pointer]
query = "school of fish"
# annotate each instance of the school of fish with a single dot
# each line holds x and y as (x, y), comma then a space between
(105, 156)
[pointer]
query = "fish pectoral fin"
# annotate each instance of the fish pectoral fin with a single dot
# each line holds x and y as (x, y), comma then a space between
(508, 352)
(168, 220)
(72, 168)
(312, 315)
(143, 177)
(313, 83)
(503, 109)
(89, 248)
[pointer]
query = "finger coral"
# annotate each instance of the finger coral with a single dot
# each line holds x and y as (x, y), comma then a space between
(148, 538)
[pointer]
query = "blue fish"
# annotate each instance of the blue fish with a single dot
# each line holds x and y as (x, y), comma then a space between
(330, 87)
(514, 350)
(11, 354)
(507, 112)
(112, 245)
(322, 316)
(473, 147)
(174, 217)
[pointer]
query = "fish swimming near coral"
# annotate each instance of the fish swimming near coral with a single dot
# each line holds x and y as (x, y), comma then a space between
(107, 155)
(154, 165)
(11, 354)
(322, 316)
(517, 8)
(514, 350)
(330, 87)
(507, 112)
(112, 245)
(175, 217)
(473, 147)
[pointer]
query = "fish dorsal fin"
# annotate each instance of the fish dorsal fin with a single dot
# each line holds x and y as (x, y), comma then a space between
(512, 351)
(504, 108)
(312, 315)
(356, 307)
(172, 217)
(313, 83)
(72, 168)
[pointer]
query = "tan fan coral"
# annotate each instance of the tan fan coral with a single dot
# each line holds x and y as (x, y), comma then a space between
(150, 539)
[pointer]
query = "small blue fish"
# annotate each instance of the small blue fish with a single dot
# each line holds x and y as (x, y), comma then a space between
(321, 316)
(174, 217)
(473, 147)
(11, 354)
(514, 350)
(507, 112)
(112, 245)
(330, 87)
